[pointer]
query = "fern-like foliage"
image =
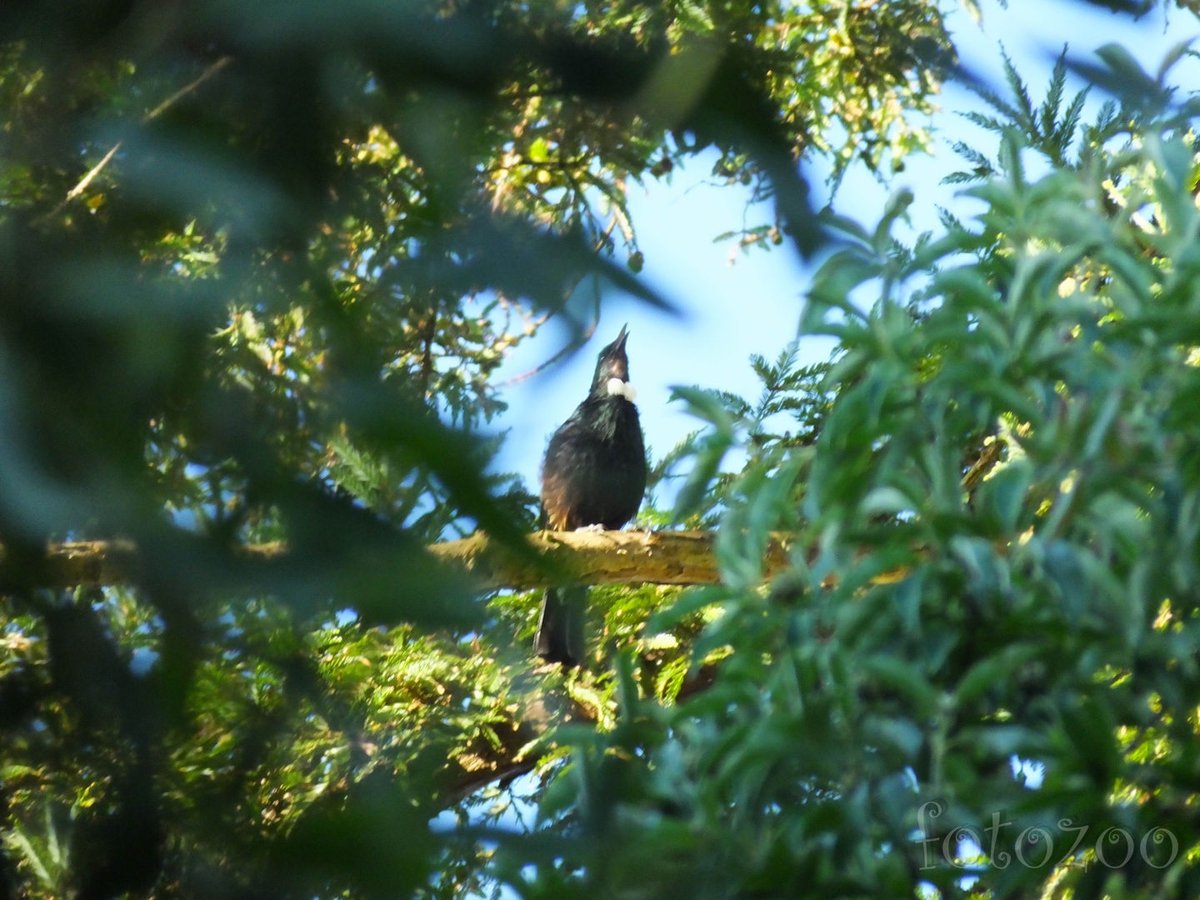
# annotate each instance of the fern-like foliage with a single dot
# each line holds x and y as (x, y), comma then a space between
(1050, 129)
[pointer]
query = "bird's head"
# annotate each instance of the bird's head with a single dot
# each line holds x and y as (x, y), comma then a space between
(612, 370)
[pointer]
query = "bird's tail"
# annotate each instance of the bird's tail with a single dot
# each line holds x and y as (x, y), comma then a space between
(560, 630)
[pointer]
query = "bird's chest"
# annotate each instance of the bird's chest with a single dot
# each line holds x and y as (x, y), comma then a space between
(595, 472)
(595, 462)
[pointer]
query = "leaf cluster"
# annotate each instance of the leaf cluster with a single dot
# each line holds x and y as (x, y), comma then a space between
(259, 266)
(978, 676)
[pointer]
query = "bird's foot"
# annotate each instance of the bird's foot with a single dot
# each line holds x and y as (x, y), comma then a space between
(594, 528)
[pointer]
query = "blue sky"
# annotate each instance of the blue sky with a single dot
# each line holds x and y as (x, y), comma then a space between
(753, 305)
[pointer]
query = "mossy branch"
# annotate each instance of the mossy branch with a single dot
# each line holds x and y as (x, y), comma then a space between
(603, 557)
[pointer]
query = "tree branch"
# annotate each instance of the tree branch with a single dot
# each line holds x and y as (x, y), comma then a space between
(602, 557)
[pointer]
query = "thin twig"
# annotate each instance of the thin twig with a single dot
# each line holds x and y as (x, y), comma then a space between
(582, 338)
(87, 179)
(208, 73)
(95, 170)
(988, 457)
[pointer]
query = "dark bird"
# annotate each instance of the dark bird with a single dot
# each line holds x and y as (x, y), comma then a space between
(594, 476)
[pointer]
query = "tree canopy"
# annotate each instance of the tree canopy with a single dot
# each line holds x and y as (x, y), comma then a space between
(259, 265)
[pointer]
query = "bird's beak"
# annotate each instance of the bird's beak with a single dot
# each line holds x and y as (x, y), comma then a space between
(619, 343)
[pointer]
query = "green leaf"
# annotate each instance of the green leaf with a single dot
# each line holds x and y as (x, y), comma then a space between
(904, 677)
(539, 150)
(994, 672)
(1002, 497)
